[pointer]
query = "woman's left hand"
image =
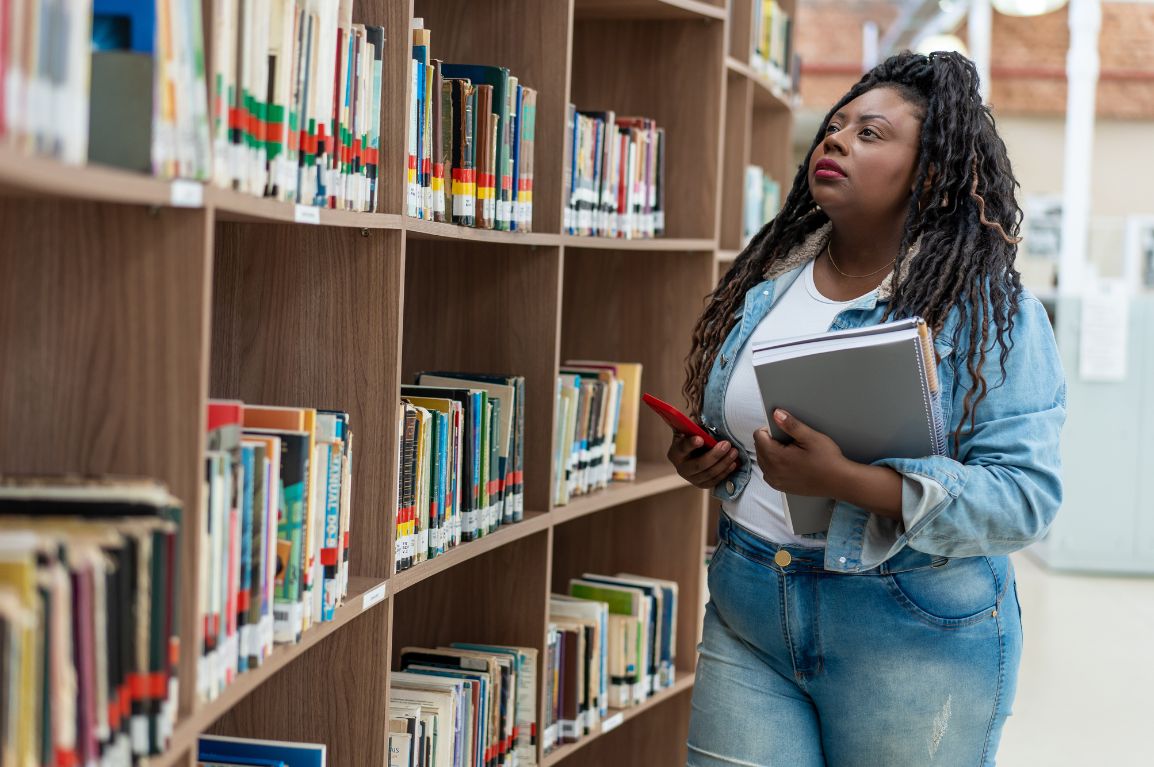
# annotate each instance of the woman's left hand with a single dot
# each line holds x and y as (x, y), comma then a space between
(810, 465)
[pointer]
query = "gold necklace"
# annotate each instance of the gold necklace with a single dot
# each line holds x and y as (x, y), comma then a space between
(854, 276)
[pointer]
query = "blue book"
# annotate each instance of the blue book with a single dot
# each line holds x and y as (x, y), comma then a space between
(248, 462)
(260, 752)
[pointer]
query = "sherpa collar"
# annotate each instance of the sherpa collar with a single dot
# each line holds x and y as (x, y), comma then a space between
(812, 246)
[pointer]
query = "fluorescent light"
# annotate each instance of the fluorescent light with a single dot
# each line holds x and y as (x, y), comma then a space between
(1026, 7)
(931, 43)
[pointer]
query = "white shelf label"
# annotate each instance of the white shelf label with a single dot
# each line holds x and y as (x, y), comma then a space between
(373, 596)
(186, 194)
(306, 214)
(612, 722)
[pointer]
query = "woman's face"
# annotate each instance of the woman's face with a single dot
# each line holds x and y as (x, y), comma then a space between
(864, 165)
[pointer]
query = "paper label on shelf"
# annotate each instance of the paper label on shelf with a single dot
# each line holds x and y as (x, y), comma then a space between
(306, 214)
(186, 194)
(373, 596)
(612, 722)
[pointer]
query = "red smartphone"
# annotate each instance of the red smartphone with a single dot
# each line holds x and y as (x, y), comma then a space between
(678, 421)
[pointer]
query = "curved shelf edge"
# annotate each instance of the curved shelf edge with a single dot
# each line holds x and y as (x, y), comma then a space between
(534, 522)
(187, 731)
(618, 717)
(653, 478)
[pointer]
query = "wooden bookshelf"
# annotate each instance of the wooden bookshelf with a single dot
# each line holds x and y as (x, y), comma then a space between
(126, 302)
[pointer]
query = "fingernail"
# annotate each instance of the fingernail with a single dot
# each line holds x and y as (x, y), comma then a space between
(697, 441)
(780, 415)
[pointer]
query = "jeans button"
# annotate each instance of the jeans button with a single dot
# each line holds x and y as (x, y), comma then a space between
(782, 558)
(730, 487)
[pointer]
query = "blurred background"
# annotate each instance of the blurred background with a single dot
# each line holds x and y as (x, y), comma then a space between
(1071, 86)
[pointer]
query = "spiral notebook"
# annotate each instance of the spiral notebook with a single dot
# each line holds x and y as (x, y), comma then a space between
(873, 390)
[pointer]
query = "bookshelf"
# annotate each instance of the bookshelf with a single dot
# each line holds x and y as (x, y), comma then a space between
(126, 302)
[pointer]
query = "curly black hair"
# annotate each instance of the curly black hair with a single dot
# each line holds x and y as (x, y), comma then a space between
(964, 220)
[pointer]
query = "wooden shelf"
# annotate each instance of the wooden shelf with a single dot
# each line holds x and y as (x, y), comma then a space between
(187, 731)
(235, 206)
(433, 230)
(534, 522)
(652, 479)
(648, 9)
(766, 95)
(124, 307)
(618, 717)
(27, 174)
(654, 243)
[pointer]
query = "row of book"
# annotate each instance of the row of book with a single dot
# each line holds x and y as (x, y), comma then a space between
(106, 81)
(761, 201)
(274, 538)
(613, 175)
(465, 705)
(296, 102)
(612, 643)
(222, 751)
(595, 437)
(89, 620)
(772, 46)
(461, 461)
(472, 133)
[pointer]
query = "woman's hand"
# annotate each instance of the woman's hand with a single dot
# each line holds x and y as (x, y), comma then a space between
(706, 470)
(812, 464)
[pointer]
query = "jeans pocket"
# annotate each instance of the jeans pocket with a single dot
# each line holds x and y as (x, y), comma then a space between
(960, 593)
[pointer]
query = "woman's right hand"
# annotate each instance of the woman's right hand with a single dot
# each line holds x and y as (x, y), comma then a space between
(706, 470)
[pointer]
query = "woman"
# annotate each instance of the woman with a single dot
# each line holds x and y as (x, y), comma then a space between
(893, 639)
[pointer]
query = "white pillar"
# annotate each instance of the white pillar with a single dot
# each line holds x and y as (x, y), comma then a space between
(869, 46)
(978, 34)
(1085, 18)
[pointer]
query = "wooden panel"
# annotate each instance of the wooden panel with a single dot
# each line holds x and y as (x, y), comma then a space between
(489, 309)
(670, 71)
(104, 338)
(335, 694)
(531, 38)
(741, 29)
(770, 147)
(735, 156)
(309, 316)
(636, 307)
(655, 738)
(497, 598)
(661, 537)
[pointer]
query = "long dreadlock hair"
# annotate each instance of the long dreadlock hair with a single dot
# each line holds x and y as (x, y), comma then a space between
(964, 219)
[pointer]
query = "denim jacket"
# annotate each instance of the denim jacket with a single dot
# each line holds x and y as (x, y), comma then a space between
(996, 491)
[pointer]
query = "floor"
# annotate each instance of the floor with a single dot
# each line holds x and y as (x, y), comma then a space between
(1084, 692)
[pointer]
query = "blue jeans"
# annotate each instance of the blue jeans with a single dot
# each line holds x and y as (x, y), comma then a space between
(912, 664)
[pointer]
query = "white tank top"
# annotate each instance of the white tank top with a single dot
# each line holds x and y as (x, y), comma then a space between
(801, 311)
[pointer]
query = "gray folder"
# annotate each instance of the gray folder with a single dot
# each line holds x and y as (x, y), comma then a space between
(872, 390)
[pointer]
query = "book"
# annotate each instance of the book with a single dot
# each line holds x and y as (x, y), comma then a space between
(221, 750)
(89, 609)
(471, 140)
(873, 390)
(613, 175)
(627, 375)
